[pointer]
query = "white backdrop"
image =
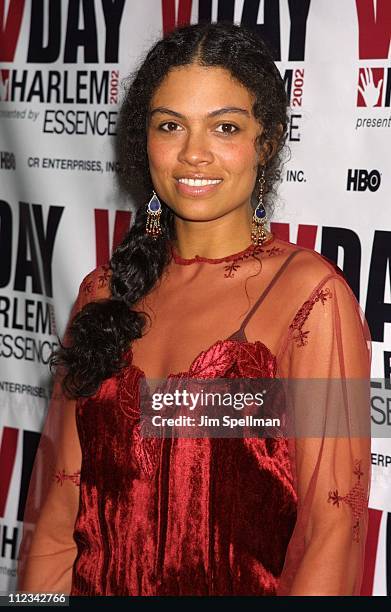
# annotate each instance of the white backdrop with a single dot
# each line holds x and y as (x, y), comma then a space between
(61, 66)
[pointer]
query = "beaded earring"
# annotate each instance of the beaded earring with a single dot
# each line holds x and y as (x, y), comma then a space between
(154, 210)
(258, 233)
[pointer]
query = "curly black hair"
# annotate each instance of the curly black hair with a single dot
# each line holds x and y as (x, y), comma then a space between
(102, 331)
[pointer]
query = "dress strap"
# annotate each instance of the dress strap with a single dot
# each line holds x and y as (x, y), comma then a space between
(239, 334)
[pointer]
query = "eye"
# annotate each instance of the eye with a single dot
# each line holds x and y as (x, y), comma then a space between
(169, 126)
(228, 128)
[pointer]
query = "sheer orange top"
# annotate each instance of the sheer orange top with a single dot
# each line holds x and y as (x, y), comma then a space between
(108, 514)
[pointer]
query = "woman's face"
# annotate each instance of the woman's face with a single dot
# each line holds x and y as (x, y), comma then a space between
(201, 143)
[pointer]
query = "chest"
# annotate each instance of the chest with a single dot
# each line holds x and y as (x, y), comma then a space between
(189, 313)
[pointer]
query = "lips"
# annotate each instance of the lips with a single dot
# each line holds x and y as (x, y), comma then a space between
(197, 185)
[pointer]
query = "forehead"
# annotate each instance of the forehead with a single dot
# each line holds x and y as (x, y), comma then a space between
(201, 89)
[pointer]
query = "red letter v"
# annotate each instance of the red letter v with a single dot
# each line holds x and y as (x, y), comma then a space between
(8, 447)
(374, 32)
(10, 28)
(170, 20)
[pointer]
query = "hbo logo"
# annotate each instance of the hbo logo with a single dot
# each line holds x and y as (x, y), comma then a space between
(7, 160)
(360, 180)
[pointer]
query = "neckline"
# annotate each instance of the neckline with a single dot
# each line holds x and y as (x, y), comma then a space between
(249, 250)
(229, 342)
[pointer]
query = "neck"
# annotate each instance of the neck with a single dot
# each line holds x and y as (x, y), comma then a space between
(216, 238)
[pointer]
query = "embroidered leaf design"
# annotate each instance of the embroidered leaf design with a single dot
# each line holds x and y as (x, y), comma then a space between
(88, 287)
(129, 400)
(216, 360)
(104, 277)
(300, 336)
(255, 360)
(230, 269)
(356, 498)
(62, 476)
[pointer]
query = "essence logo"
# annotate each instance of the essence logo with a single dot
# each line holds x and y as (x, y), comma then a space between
(361, 180)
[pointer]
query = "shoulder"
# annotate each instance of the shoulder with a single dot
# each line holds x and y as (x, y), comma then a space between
(311, 278)
(308, 268)
(96, 284)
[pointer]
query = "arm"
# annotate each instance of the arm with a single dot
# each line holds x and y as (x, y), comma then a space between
(327, 361)
(48, 549)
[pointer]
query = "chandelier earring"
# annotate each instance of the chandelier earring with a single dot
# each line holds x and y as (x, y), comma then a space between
(258, 232)
(154, 210)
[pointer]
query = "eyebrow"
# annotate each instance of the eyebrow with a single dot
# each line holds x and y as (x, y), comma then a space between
(215, 113)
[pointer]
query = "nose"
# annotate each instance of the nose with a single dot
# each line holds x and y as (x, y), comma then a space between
(196, 149)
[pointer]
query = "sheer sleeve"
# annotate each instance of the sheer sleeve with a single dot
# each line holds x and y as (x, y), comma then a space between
(48, 550)
(326, 364)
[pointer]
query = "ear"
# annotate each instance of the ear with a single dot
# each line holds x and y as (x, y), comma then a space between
(269, 147)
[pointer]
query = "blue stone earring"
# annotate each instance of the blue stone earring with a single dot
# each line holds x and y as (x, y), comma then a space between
(154, 210)
(258, 233)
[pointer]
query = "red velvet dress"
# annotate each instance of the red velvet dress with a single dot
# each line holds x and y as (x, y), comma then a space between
(210, 516)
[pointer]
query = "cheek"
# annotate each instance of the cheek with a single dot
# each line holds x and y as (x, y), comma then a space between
(161, 155)
(240, 158)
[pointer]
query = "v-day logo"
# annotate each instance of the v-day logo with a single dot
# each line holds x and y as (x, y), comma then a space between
(374, 30)
(268, 27)
(27, 322)
(62, 33)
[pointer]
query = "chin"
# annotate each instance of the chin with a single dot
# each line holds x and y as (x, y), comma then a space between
(195, 211)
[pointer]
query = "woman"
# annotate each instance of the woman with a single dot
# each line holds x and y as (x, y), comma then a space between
(200, 289)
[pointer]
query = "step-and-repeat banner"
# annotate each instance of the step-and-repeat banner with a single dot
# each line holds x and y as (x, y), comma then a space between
(62, 64)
